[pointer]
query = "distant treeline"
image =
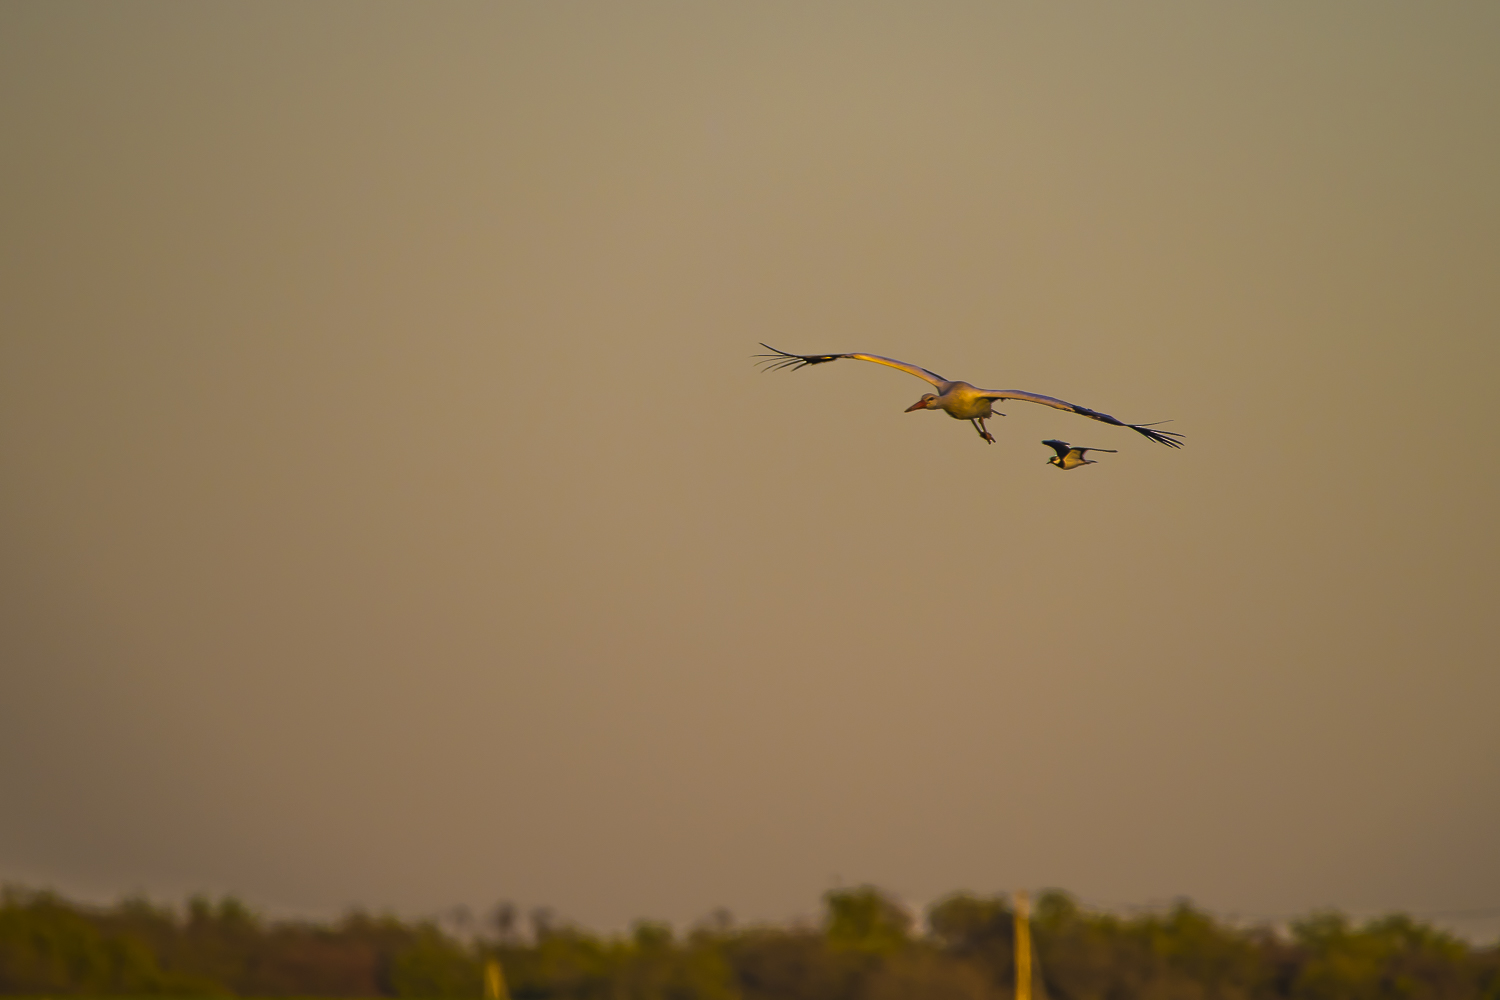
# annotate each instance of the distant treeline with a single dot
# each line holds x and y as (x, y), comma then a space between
(865, 948)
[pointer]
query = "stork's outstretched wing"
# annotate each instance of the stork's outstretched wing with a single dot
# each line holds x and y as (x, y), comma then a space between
(1084, 451)
(1168, 438)
(781, 359)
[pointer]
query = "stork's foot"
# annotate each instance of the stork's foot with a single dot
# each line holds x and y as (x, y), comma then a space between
(989, 437)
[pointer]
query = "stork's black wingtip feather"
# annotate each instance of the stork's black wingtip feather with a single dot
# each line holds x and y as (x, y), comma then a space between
(786, 359)
(777, 360)
(1168, 438)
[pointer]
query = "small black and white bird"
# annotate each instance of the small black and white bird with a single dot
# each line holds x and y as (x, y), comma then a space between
(963, 401)
(1069, 457)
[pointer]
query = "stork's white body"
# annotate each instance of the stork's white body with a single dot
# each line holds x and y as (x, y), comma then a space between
(963, 401)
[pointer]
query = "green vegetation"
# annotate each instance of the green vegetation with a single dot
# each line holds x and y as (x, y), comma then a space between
(865, 949)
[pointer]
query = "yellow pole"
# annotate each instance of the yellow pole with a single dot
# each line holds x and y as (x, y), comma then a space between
(1023, 946)
(494, 981)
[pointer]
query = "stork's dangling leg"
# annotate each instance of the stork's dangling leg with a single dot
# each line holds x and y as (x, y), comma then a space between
(978, 423)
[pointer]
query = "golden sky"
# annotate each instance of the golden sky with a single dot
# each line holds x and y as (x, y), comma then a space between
(392, 514)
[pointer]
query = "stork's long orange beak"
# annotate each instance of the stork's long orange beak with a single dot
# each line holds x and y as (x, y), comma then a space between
(920, 404)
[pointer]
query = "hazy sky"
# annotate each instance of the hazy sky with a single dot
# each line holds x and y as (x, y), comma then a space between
(392, 514)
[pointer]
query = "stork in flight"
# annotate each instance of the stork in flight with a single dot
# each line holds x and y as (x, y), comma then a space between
(963, 401)
(1069, 457)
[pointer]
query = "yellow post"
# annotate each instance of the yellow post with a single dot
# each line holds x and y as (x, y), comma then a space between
(1023, 946)
(494, 981)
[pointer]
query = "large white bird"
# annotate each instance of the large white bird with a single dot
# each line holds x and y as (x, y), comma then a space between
(963, 401)
(1069, 457)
